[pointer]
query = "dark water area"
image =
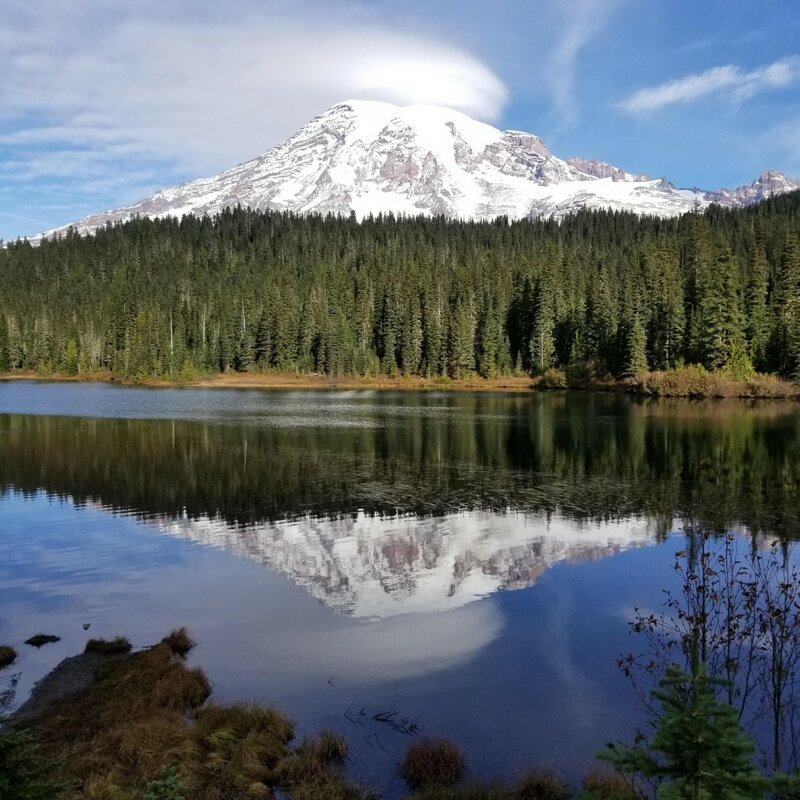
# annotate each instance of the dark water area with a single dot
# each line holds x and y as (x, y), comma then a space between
(468, 561)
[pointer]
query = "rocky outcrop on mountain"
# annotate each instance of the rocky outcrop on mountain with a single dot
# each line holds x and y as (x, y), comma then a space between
(768, 184)
(601, 169)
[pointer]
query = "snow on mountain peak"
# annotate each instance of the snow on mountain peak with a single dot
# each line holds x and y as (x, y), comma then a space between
(371, 157)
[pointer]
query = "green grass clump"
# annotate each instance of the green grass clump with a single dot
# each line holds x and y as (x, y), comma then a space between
(117, 646)
(168, 786)
(432, 763)
(8, 655)
(41, 639)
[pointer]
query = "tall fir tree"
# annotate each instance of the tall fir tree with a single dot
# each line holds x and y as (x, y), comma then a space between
(599, 329)
(5, 356)
(719, 311)
(636, 354)
(789, 308)
(758, 324)
(542, 342)
(697, 260)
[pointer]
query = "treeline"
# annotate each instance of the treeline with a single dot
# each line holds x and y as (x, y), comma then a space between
(253, 291)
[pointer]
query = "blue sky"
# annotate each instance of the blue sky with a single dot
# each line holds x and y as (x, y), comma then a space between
(104, 102)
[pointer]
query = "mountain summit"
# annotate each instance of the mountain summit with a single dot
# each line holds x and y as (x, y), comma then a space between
(369, 157)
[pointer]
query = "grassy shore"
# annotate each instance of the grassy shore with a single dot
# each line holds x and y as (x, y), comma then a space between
(288, 380)
(142, 726)
(689, 382)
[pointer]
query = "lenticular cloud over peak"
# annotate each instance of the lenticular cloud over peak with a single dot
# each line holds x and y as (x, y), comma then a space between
(154, 79)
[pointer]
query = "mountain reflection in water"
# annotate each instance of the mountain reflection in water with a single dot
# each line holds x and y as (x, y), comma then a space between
(376, 567)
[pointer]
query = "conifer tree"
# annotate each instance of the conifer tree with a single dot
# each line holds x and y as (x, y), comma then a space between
(263, 349)
(636, 360)
(697, 266)
(600, 323)
(5, 358)
(25, 773)
(245, 357)
(789, 307)
(699, 750)
(461, 341)
(663, 292)
(411, 350)
(758, 327)
(542, 342)
(719, 311)
(71, 358)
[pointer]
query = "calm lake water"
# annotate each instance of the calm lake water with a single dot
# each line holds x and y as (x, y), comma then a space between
(468, 561)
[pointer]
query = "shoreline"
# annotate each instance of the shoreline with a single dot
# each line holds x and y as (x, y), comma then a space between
(283, 381)
(686, 384)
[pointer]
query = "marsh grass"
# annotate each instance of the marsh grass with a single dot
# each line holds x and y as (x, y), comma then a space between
(696, 382)
(607, 786)
(116, 646)
(532, 786)
(552, 378)
(469, 792)
(692, 381)
(234, 751)
(41, 639)
(538, 785)
(179, 642)
(8, 655)
(118, 735)
(147, 713)
(313, 771)
(432, 763)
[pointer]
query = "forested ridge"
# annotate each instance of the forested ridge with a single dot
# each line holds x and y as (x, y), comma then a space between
(252, 291)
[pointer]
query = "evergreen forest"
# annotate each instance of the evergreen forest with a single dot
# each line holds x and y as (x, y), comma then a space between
(268, 291)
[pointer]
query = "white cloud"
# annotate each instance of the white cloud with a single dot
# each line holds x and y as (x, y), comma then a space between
(579, 22)
(730, 82)
(91, 83)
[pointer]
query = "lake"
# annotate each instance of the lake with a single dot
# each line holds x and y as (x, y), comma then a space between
(378, 563)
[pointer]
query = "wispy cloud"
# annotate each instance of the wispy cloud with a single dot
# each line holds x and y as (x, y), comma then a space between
(580, 21)
(728, 81)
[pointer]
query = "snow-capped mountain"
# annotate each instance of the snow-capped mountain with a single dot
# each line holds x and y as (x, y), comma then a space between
(377, 567)
(370, 157)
